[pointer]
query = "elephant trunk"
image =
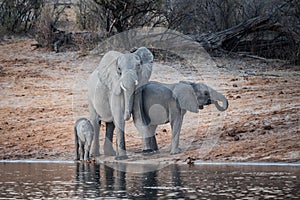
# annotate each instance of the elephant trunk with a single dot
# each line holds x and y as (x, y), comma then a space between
(128, 105)
(128, 84)
(215, 97)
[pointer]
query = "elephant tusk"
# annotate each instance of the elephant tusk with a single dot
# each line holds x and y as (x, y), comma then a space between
(122, 86)
(136, 82)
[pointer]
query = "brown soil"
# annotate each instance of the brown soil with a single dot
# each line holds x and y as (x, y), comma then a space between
(43, 93)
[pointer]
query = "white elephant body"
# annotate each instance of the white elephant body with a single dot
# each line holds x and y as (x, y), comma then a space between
(110, 92)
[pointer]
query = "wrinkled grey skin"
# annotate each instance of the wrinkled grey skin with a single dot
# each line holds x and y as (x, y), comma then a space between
(110, 95)
(158, 103)
(84, 134)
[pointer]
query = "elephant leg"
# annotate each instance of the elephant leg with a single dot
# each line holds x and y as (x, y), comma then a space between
(121, 148)
(146, 137)
(89, 141)
(108, 148)
(176, 123)
(81, 150)
(87, 152)
(149, 140)
(153, 143)
(96, 145)
(96, 125)
(117, 110)
(147, 147)
(76, 151)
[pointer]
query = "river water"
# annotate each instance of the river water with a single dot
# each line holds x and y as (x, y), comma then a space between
(68, 180)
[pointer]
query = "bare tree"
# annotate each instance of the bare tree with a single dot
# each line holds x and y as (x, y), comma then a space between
(88, 15)
(120, 15)
(47, 33)
(19, 15)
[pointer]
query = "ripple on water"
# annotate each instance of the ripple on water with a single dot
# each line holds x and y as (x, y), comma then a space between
(76, 181)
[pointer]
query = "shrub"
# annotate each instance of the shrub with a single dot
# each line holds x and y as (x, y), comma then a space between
(17, 16)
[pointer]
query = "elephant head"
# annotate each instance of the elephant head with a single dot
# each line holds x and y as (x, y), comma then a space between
(145, 69)
(193, 96)
(132, 70)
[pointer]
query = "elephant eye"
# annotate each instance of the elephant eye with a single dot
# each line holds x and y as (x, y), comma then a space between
(119, 70)
(206, 93)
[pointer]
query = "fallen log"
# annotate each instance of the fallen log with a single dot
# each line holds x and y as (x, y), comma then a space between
(217, 40)
(249, 36)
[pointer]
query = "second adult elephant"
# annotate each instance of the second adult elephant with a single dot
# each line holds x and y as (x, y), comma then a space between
(110, 95)
(158, 103)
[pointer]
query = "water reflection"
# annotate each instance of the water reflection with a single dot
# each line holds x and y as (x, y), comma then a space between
(149, 181)
(87, 180)
(120, 180)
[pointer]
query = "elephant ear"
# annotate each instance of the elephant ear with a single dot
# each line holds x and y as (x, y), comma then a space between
(186, 97)
(145, 70)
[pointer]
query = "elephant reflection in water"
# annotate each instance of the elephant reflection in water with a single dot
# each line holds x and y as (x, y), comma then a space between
(121, 180)
(87, 180)
(149, 184)
(115, 182)
(118, 177)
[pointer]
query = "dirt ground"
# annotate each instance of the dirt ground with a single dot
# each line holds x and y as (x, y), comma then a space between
(43, 93)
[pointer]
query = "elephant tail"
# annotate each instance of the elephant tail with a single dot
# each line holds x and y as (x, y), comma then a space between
(76, 142)
(75, 134)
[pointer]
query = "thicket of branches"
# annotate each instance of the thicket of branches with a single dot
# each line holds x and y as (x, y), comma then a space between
(118, 15)
(18, 16)
(271, 24)
(187, 16)
(265, 28)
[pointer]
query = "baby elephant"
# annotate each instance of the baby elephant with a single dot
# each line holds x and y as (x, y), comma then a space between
(84, 134)
(159, 103)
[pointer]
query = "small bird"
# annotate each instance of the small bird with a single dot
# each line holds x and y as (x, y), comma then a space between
(190, 161)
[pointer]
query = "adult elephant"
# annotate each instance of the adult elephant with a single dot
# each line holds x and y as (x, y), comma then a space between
(110, 95)
(159, 103)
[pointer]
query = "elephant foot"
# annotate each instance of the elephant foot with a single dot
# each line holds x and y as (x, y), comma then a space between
(149, 152)
(124, 157)
(146, 151)
(175, 151)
